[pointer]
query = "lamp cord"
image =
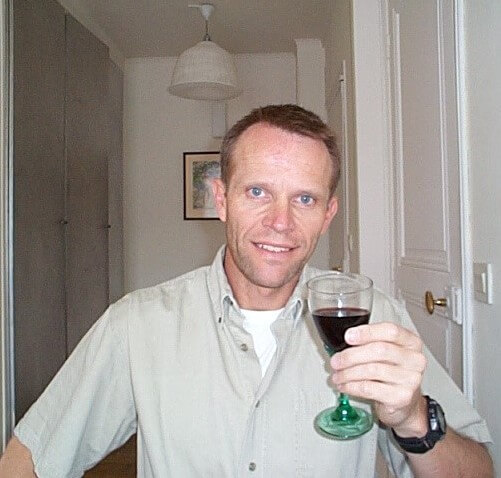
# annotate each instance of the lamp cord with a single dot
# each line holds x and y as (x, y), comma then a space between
(207, 36)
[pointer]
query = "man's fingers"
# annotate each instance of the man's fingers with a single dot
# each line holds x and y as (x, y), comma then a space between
(382, 352)
(390, 396)
(385, 365)
(383, 332)
(380, 372)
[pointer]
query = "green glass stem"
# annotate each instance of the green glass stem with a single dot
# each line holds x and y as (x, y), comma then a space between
(343, 422)
(344, 411)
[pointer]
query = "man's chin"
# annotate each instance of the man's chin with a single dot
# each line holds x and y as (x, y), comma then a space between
(274, 281)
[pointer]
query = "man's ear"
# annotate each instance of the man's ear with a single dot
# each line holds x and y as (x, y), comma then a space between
(330, 213)
(219, 192)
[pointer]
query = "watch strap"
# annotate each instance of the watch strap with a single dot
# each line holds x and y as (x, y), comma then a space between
(436, 430)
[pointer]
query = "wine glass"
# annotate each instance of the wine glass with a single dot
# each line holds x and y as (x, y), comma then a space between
(338, 301)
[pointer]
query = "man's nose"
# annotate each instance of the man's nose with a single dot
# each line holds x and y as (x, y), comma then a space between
(279, 216)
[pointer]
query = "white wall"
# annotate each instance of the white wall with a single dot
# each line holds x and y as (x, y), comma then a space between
(310, 94)
(483, 115)
(372, 149)
(158, 128)
(339, 48)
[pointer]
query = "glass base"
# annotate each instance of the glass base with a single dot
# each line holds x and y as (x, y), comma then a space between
(331, 423)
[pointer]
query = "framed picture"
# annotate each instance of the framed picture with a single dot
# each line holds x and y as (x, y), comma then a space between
(200, 169)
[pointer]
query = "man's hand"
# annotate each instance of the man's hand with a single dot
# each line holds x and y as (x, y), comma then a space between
(16, 462)
(387, 367)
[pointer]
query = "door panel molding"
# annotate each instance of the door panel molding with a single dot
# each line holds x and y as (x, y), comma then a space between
(426, 258)
(437, 258)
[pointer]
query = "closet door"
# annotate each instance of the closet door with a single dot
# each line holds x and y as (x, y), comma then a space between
(87, 180)
(39, 310)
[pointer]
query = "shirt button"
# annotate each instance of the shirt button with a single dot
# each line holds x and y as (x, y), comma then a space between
(257, 404)
(244, 347)
(252, 466)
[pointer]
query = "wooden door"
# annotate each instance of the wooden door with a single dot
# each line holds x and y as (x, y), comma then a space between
(39, 302)
(86, 180)
(426, 171)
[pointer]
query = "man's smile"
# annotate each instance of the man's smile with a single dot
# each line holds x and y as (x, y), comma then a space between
(272, 248)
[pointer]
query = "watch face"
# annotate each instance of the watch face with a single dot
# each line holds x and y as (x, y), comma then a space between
(437, 417)
(440, 418)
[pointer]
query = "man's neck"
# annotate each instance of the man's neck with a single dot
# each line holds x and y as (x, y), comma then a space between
(254, 297)
(262, 298)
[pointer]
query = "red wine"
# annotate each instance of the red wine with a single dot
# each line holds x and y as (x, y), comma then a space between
(332, 323)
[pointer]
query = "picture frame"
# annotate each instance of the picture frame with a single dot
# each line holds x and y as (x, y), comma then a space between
(199, 170)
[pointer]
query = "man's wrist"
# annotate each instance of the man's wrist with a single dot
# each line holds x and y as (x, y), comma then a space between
(417, 424)
(437, 427)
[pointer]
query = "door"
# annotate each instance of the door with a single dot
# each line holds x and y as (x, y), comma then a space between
(86, 180)
(39, 302)
(425, 154)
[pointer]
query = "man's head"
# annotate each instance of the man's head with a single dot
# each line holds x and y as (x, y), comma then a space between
(291, 118)
(276, 200)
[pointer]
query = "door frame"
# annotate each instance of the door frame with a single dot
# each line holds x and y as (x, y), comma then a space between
(6, 228)
(374, 160)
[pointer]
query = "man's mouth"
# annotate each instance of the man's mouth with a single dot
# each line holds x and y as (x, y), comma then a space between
(270, 248)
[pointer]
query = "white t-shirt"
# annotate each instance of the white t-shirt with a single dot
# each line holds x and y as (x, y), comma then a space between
(258, 324)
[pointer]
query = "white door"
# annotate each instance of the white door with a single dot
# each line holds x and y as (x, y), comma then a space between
(425, 136)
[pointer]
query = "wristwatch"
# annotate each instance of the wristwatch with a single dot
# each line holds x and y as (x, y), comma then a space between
(436, 430)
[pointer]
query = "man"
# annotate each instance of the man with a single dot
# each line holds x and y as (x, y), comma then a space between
(210, 390)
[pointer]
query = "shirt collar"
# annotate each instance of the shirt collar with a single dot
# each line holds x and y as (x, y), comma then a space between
(222, 295)
(219, 288)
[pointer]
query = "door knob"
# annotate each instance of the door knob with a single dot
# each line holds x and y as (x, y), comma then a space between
(338, 268)
(431, 302)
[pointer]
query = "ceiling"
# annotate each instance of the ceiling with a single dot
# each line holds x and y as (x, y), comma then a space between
(145, 28)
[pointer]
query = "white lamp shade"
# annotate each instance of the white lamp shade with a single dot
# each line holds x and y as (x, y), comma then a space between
(205, 72)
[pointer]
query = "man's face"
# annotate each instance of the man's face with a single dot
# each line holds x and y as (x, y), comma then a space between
(275, 205)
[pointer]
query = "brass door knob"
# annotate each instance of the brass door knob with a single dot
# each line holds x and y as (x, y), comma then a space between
(431, 302)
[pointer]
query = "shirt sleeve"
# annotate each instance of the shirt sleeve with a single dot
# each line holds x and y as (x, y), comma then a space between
(88, 409)
(459, 413)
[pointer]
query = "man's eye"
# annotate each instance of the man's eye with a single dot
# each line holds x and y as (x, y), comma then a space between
(256, 192)
(306, 199)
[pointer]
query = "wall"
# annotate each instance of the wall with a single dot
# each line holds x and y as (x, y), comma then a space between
(158, 128)
(375, 228)
(482, 23)
(339, 48)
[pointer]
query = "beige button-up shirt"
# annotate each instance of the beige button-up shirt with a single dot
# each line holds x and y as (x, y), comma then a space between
(175, 363)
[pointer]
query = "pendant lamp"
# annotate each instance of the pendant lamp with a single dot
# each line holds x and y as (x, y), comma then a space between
(205, 71)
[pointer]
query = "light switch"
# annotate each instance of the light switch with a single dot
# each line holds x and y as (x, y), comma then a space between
(482, 282)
